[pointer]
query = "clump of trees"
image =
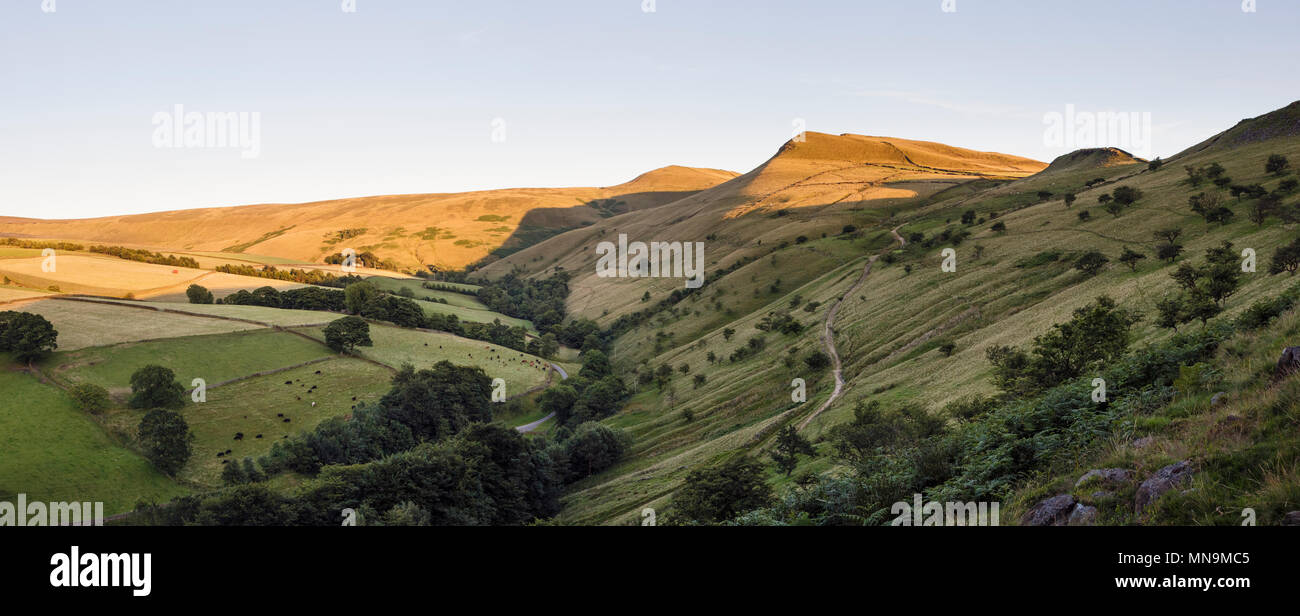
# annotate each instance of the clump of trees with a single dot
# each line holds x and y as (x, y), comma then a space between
(199, 294)
(1204, 289)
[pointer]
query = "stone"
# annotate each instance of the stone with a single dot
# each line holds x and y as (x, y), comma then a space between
(1288, 363)
(1164, 480)
(1219, 398)
(1083, 515)
(1107, 476)
(1292, 518)
(1054, 511)
(1144, 442)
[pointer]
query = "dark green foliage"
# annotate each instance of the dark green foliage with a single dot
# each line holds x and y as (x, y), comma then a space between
(346, 334)
(789, 444)
(1097, 334)
(717, 494)
(90, 398)
(198, 294)
(165, 438)
(155, 386)
(28, 336)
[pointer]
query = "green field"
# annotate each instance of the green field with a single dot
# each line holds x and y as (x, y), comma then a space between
(54, 452)
(213, 358)
(271, 316)
(253, 407)
(395, 346)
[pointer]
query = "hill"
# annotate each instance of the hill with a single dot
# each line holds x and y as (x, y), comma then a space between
(411, 231)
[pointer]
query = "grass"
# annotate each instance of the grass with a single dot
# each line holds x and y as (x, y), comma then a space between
(394, 346)
(85, 324)
(461, 300)
(54, 452)
(214, 358)
(254, 406)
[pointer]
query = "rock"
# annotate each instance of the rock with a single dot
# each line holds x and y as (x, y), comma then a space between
(1101, 495)
(1144, 442)
(1108, 476)
(1219, 398)
(1291, 519)
(1083, 515)
(1288, 363)
(1164, 480)
(1054, 511)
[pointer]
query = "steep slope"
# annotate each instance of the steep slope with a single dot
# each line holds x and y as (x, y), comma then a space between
(1009, 286)
(1284, 122)
(444, 230)
(810, 188)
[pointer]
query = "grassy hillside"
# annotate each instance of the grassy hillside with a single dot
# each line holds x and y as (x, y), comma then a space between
(413, 231)
(1010, 285)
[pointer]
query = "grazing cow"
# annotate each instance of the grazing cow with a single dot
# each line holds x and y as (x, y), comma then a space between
(318, 372)
(286, 420)
(239, 436)
(288, 382)
(227, 452)
(279, 414)
(258, 436)
(221, 454)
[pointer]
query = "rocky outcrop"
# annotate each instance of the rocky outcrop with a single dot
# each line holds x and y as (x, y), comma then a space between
(1054, 511)
(1164, 480)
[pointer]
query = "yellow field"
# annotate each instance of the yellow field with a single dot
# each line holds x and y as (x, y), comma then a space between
(83, 324)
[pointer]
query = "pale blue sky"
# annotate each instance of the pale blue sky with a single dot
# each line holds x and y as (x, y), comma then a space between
(399, 97)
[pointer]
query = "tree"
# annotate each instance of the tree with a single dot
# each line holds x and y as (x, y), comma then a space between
(699, 380)
(999, 227)
(1070, 199)
(1084, 215)
(595, 365)
(1104, 198)
(968, 217)
(1130, 258)
(789, 444)
(1044, 195)
(817, 361)
(199, 294)
(1156, 164)
(1097, 333)
(1115, 208)
(1127, 195)
(1195, 176)
(593, 447)
(1265, 207)
(28, 336)
(947, 348)
(1214, 171)
(718, 494)
(1286, 259)
(90, 398)
(166, 438)
(358, 294)
(1276, 164)
(155, 386)
(1091, 263)
(1171, 312)
(558, 400)
(727, 333)
(346, 334)
(1170, 235)
(441, 401)
(1169, 252)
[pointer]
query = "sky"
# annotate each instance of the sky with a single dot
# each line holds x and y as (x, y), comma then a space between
(420, 96)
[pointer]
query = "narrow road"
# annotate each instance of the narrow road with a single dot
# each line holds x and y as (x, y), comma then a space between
(828, 333)
(529, 427)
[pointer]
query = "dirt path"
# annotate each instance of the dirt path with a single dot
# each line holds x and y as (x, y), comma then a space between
(828, 333)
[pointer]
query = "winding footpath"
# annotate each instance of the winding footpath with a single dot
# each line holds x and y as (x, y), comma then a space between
(828, 333)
